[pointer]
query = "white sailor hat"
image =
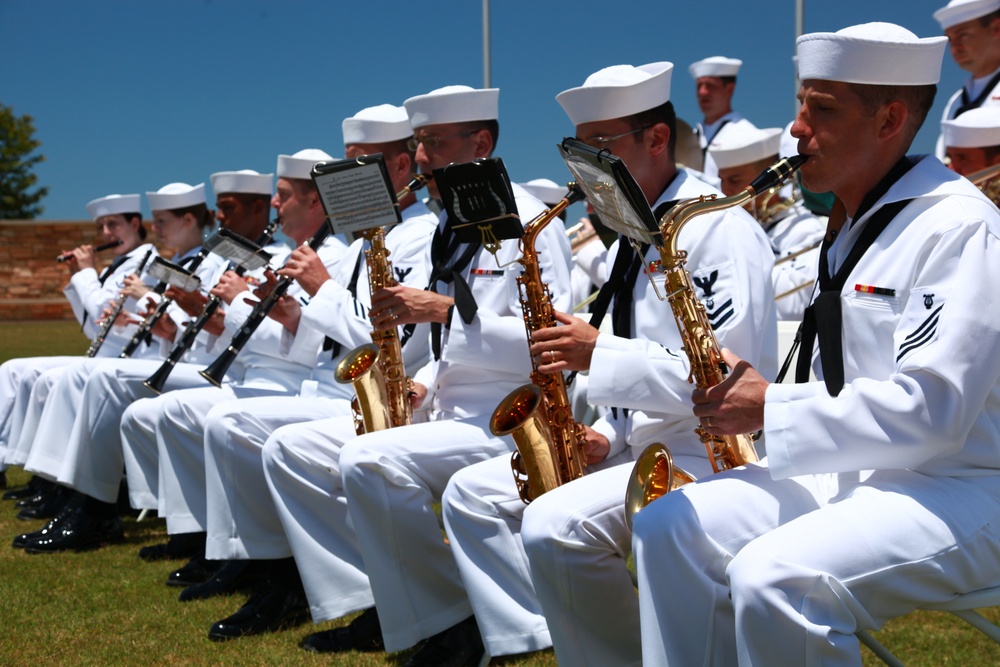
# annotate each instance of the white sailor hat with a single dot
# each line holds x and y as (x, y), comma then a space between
(545, 191)
(114, 205)
(377, 125)
(617, 91)
(748, 146)
(245, 181)
(715, 66)
(871, 53)
(976, 128)
(453, 104)
(176, 195)
(300, 164)
(960, 11)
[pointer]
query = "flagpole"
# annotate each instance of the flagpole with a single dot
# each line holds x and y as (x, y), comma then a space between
(486, 43)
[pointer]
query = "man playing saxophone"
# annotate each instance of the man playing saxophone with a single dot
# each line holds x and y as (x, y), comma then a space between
(880, 492)
(579, 597)
(249, 528)
(793, 230)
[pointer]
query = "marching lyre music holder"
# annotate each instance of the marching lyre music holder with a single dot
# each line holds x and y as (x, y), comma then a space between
(357, 194)
(238, 250)
(480, 202)
(612, 191)
(615, 196)
(173, 274)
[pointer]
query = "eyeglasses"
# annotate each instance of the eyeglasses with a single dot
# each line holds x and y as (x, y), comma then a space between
(600, 142)
(432, 141)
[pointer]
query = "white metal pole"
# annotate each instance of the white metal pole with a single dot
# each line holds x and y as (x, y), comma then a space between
(486, 43)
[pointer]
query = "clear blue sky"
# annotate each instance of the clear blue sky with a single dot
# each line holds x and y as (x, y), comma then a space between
(129, 95)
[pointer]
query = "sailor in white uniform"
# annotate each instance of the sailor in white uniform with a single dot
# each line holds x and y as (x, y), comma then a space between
(390, 479)
(119, 218)
(715, 85)
(272, 364)
(794, 231)
(974, 41)
(572, 587)
(972, 143)
(243, 524)
(881, 489)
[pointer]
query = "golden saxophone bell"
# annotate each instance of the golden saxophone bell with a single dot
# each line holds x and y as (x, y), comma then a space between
(360, 368)
(653, 475)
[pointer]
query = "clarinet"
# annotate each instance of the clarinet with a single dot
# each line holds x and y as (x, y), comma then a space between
(143, 334)
(217, 370)
(184, 343)
(109, 321)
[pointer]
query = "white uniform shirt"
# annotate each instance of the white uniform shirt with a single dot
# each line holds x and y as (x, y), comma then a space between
(797, 229)
(974, 87)
(919, 393)
(483, 361)
(88, 298)
(730, 262)
(265, 361)
(714, 135)
(336, 313)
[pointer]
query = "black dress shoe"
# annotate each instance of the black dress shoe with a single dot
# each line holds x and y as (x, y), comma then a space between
(269, 609)
(80, 531)
(30, 489)
(362, 634)
(49, 504)
(196, 571)
(459, 646)
(233, 576)
(182, 545)
(48, 530)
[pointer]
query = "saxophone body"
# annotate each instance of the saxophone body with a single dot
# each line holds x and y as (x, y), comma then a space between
(539, 416)
(376, 370)
(654, 473)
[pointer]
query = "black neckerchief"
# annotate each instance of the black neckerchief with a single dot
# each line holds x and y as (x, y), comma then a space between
(824, 317)
(968, 105)
(352, 287)
(714, 135)
(443, 247)
(621, 287)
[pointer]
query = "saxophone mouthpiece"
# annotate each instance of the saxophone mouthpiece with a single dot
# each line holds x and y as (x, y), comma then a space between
(777, 173)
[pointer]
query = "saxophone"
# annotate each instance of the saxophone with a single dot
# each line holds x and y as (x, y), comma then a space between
(538, 415)
(654, 473)
(376, 369)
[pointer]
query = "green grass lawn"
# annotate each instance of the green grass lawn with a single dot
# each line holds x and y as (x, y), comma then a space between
(107, 607)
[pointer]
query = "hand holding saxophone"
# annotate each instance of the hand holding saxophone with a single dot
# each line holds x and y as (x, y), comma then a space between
(397, 305)
(569, 347)
(735, 405)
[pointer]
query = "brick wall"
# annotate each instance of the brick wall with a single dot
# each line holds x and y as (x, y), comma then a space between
(31, 281)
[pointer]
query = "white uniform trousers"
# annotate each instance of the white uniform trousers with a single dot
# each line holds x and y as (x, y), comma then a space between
(56, 398)
(578, 544)
(82, 445)
(241, 518)
(302, 467)
(17, 376)
(392, 479)
(26, 419)
(807, 560)
(180, 443)
(139, 452)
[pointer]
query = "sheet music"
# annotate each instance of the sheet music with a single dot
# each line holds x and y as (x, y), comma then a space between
(357, 198)
(174, 275)
(244, 253)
